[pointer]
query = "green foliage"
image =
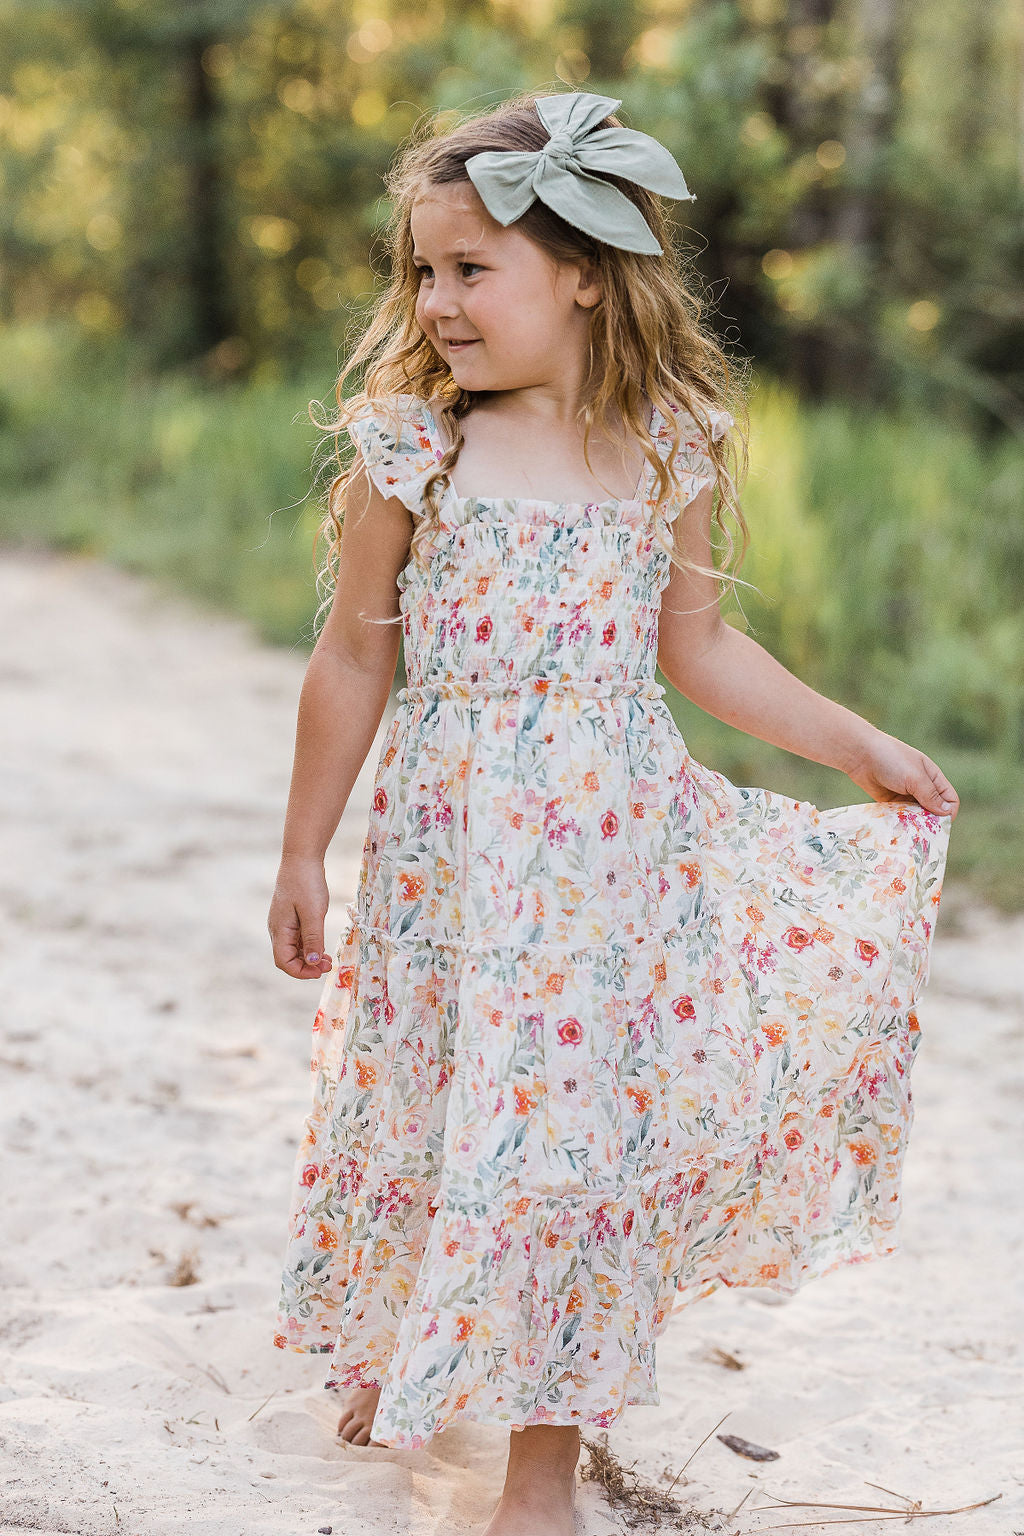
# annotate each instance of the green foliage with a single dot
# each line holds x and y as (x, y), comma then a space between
(206, 179)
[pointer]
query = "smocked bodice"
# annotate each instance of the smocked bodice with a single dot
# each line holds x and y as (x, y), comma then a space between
(534, 594)
(518, 593)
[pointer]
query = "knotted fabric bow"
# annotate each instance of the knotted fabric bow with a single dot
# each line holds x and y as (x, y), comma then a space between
(508, 181)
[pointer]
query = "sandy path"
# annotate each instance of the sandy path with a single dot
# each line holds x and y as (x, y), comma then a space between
(154, 1072)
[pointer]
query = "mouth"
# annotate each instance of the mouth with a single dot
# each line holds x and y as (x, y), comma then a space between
(459, 346)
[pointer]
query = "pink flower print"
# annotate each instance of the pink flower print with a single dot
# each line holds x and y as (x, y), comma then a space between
(609, 632)
(380, 801)
(484, 627)
(609, 824)
(570, 1031)
(557, 831)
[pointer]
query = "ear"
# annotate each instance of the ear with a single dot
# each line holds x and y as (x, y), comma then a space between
(589, 291)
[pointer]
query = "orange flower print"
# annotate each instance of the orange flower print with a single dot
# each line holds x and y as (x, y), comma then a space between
(609, 824)
(774, 1031)
(310, 1174)
(897, 885)
(798, 938)
(366, 1074)
(793, 1138)
(755, 914)
(627, 1223)
(326, 1238)
(464, 1327)
(640, 1098)
(555, 981)
(866, 950)
(591, 780)
(823, 935)
(683, 1007)
(412, 885)
(699, 1182)
(639, 810)
(660, 970)
(345, 977)
(606, 589)
(575, 1302)
(914, 1026)
(451, 1247)
(524, 1101)
(380, 800)
(483, 628)
(769, 1271)
(482, 585)
(608, 633)
(862, 1152)
(690, 872)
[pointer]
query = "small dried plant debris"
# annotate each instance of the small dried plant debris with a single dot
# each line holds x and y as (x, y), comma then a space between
(640, 1504)
(723, 1357)
(185, 1271)
(748, 1448)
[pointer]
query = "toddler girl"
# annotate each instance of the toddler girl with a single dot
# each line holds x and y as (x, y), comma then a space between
(603, 1031)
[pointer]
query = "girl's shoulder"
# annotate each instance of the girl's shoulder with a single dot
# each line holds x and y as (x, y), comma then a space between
(392, 433)
(692, 432)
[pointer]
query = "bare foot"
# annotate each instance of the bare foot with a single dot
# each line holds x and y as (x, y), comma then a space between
(359, 1404)
(539, 1496)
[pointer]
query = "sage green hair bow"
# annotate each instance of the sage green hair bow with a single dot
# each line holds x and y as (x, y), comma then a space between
(508, 181)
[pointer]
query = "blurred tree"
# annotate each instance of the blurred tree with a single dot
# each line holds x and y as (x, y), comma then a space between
(204, 181)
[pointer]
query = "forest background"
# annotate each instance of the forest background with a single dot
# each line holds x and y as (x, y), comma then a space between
(190, 210)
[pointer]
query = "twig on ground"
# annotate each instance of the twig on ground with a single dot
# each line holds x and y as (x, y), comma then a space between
(868, 1513)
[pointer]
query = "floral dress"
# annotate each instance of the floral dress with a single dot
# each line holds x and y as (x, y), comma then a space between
(603, 1031)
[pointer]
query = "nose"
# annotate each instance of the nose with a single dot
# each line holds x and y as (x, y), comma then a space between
(438, 300)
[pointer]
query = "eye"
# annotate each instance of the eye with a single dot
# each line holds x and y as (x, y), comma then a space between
(426, 271)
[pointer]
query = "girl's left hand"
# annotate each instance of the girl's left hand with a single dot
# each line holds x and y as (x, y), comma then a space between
(890, 769)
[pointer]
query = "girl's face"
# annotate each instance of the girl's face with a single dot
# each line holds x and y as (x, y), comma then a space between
(500, 311)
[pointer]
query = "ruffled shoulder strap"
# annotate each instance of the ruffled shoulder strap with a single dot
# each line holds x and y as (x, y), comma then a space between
(692, 463)
(393, 436)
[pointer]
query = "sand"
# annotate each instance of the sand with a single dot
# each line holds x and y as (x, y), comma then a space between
(154, 1069)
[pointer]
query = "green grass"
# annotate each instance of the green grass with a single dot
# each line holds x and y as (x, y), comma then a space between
(889, 554)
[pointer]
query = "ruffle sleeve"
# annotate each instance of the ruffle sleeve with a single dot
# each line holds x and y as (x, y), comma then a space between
(692, 463)
(391, 434)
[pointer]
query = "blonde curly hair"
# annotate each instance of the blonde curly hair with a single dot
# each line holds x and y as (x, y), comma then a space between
(648, 337)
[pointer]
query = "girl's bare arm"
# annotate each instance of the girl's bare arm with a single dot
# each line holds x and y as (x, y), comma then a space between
(729, 675)
(341, 704)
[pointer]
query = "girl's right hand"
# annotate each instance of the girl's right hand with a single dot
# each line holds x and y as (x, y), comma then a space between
(298, 909)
